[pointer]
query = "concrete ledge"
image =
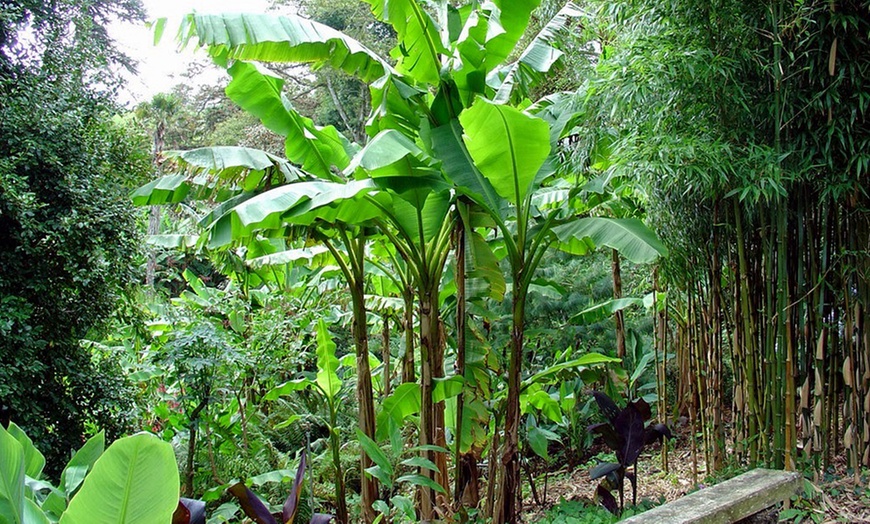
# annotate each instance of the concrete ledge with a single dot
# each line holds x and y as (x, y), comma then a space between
(728, 502)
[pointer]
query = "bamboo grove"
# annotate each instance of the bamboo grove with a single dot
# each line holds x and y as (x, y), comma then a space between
(753, 147)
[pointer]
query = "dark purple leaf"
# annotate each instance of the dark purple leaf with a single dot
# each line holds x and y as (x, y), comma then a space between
(603, 469)
(607, 500)
(252, 505)
(181, 514)
(657, 432)
(615, 478)
(291, 505)
(189, 511)
(629, 426)
(321, 518)
(608, 434)
(643, 408)
(606, 405)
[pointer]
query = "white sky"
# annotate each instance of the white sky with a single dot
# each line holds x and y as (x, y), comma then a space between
(161, 67)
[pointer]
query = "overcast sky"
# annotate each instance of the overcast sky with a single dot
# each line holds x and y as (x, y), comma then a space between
(161, 67)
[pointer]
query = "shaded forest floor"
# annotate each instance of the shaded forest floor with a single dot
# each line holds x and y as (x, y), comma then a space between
(839, 497)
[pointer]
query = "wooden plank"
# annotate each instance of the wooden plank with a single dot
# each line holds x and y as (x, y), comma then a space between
(728, 502)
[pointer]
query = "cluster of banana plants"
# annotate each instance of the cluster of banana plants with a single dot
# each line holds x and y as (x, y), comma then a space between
(455, 149)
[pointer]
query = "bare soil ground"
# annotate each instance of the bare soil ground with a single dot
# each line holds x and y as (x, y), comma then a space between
(840, 498)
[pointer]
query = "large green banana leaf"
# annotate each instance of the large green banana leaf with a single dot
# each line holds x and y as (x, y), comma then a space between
(327, 363)
(402, 403)
(508, 146)
(419, 50)
(11, 479)
(516, 80)
(488, 37)
(242, 166)
(458, 165)
(267, 38)
(420, 196)
(315, 148)
(206, 169)
(629, 236)
(135, 481)
(34, 460)
(395, 105)
(281, 206)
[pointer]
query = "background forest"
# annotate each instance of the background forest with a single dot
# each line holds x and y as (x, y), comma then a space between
(399, 247)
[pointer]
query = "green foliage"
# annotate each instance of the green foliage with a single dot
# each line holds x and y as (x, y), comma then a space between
(574, 512)
(134, 481)
(580, 512)
(66, 37)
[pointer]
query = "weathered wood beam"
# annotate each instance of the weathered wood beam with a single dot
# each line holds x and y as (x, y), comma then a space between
(728, 502)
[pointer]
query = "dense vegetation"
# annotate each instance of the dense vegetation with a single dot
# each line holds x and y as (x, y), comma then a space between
(68, 236)
(412, 250)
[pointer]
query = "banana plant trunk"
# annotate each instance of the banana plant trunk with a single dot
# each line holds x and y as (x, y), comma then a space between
(369, 486)
(431, 413)
(506, 507)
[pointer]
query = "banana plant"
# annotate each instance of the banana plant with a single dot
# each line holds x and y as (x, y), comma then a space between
(329, 211)
(328, 383)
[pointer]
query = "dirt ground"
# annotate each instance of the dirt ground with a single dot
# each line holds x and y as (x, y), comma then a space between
(839, 499)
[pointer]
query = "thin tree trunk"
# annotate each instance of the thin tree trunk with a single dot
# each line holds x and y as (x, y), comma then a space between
(385, 353)
(191, 443)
